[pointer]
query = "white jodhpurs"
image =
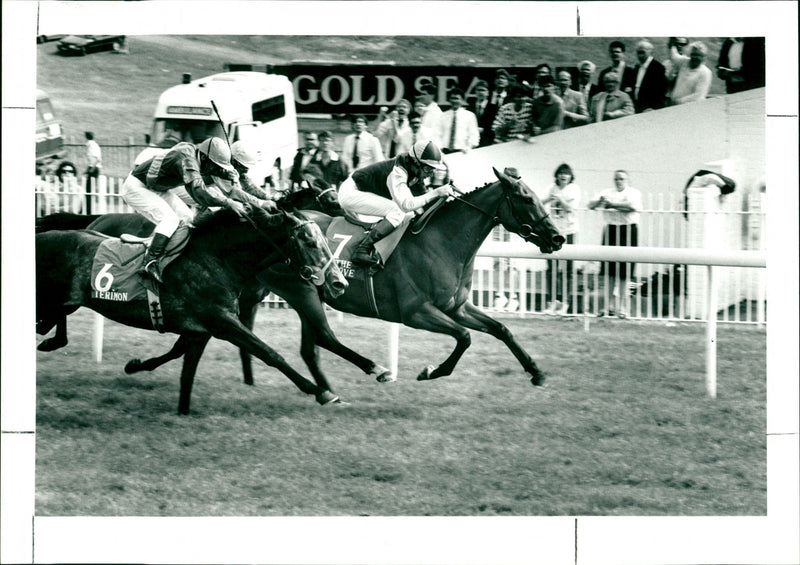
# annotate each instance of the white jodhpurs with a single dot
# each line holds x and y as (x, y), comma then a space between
(357, 202)
(164, 209)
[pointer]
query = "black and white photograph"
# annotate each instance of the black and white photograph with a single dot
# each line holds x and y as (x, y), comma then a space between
(400, 282)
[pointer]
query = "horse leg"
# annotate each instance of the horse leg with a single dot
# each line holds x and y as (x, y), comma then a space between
(434, 320)
(57, 341)
(247, 315)
(317, 331)
(470, 316)
(194, 346)
(137, 365)
(229, 328)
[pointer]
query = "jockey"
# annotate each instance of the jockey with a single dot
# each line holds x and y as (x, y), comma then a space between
(391, 189)
(245, 156)
(149, 190)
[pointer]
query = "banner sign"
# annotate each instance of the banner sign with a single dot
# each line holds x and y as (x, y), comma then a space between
(335, 88)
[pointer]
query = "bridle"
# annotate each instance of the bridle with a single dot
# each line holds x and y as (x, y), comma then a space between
(526, 231)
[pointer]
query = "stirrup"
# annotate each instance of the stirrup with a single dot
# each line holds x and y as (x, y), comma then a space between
(152, 270)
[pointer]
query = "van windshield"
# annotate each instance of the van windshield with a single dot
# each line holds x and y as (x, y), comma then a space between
(44, 110)
(193, 131)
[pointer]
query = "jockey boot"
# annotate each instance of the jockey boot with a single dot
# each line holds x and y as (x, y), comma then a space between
(152, 268)
(365, 251)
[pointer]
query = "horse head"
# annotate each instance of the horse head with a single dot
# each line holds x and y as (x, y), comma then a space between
(522, 213)
(310, 249)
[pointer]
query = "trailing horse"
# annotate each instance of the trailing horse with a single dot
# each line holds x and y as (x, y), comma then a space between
(199, 298)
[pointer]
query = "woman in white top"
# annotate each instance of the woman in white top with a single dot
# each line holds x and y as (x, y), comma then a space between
(621, 206)
(563, 197)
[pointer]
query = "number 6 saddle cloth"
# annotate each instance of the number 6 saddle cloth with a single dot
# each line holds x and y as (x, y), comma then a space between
(116, 266)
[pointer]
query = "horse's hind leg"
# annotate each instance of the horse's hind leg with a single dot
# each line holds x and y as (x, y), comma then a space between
(136, 365)
(470, 316)
(434, 320)
(247, 315)
(57, 341)
(194, 346)
(230, 329)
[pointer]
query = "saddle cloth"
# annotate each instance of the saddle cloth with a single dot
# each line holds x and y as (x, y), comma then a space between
(344, 234)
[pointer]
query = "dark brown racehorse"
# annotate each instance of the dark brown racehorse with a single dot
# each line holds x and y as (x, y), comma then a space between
(199, 297)
(426, 282)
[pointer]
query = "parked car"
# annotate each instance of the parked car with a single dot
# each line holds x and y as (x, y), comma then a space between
(83, 44)
(47, 38)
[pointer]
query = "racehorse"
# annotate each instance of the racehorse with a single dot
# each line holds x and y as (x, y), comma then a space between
(427, 280)
(199, 297)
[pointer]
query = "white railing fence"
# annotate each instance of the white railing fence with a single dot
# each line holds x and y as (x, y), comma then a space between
(522, 285)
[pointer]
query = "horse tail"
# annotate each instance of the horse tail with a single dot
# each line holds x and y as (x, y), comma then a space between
(64, 221)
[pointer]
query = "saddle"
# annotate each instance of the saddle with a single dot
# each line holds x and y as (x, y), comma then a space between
(116, 265)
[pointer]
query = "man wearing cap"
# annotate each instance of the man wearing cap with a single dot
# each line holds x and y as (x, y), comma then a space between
(149, 190)
(670, 69)
(547, 110)
(392, 189)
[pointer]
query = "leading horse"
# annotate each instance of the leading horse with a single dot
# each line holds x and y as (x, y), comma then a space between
(199, 298)
(426, 282)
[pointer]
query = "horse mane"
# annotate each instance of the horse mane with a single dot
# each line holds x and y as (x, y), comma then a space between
(226, 218)
(295, 199)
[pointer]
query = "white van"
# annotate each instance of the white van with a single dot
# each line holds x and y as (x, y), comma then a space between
(252, 106)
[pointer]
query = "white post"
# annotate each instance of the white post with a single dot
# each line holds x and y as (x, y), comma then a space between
(394, 347)
(711, 335)
(97, 341)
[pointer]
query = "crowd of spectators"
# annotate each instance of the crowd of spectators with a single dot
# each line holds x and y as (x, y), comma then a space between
(567, 97)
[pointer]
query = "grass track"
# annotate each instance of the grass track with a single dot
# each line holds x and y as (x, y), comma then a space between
(622, 428)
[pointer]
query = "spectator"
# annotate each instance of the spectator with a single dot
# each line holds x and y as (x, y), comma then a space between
(513, 120)
(694, 77)
(611, 104)
(484, 112)
(433, 112)
(651, 81)
(392, 127)
(585, 85)
(542, 71)
(334, 170)
(626, 74)
(94, 157)
(670, 71)
(575, 112)
(621, 206)
(502, 83)
(563, 197)
(741, 63)
(303, 157)
(361, 148)
(547, 111)
(416, 132)
(458, 127)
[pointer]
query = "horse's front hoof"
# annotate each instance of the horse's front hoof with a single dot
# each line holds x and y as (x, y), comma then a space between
(52, 344)
(133, 366)
(385, 376)
(327, 397)
(537, 379)
(426, 374)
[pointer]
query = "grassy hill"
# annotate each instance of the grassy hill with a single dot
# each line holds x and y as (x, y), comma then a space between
(115, 95)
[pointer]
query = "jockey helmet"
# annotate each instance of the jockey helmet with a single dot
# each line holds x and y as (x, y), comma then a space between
(245, 153)
(217, 151)
(426, 153)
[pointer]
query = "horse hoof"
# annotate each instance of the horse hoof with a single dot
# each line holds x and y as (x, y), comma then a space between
(537, 380)
(51, 344)
(386, 377)
(327, 397)
(133, 366)
(425, 375)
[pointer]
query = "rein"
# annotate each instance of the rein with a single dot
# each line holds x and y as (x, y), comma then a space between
(525, 230)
